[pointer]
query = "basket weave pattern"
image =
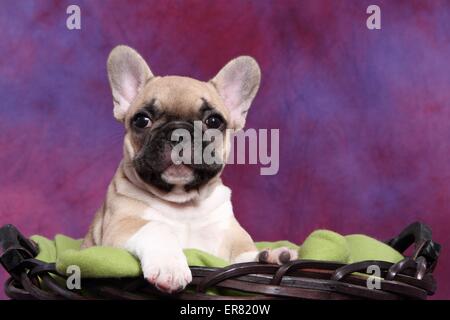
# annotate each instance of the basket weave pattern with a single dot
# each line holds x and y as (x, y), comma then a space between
(411, 278)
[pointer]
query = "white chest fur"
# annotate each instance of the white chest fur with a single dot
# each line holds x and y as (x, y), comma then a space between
(201, 226)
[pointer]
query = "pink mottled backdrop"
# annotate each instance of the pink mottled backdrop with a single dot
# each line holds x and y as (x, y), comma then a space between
(364, 116)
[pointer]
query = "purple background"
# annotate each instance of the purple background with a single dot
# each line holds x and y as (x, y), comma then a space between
(364, 115)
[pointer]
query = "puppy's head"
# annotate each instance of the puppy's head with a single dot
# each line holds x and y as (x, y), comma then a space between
(153, 108)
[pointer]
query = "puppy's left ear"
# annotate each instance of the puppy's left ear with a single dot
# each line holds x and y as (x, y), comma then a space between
(127, 72)
(237, 84)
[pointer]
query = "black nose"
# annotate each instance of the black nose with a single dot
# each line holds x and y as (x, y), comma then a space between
(172, 140)
(172, 137)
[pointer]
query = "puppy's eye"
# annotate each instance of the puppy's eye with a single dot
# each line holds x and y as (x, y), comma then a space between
(214, 122)
(141, 121)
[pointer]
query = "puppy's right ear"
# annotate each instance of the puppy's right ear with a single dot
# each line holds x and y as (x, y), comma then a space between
(127, 73)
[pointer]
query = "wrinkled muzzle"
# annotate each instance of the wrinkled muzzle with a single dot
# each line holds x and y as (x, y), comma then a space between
(176, 143)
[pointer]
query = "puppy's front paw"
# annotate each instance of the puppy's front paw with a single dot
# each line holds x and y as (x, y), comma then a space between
(167, 272)
(278, 256)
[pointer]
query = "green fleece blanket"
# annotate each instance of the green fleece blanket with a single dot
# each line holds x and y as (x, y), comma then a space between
(102, 262)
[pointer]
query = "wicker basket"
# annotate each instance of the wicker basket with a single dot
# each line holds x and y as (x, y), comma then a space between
(410, 278)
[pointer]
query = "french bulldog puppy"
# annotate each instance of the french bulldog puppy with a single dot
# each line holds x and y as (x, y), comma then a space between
(155, 208)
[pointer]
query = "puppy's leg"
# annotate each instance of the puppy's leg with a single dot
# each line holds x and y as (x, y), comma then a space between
(241, 246)
(247, 256)
(94, 235)
(162, 259)
(243, 249)
(278, 256)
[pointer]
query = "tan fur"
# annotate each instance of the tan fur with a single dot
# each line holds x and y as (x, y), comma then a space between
(239, 242)
(116, 221)
(179, 95)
